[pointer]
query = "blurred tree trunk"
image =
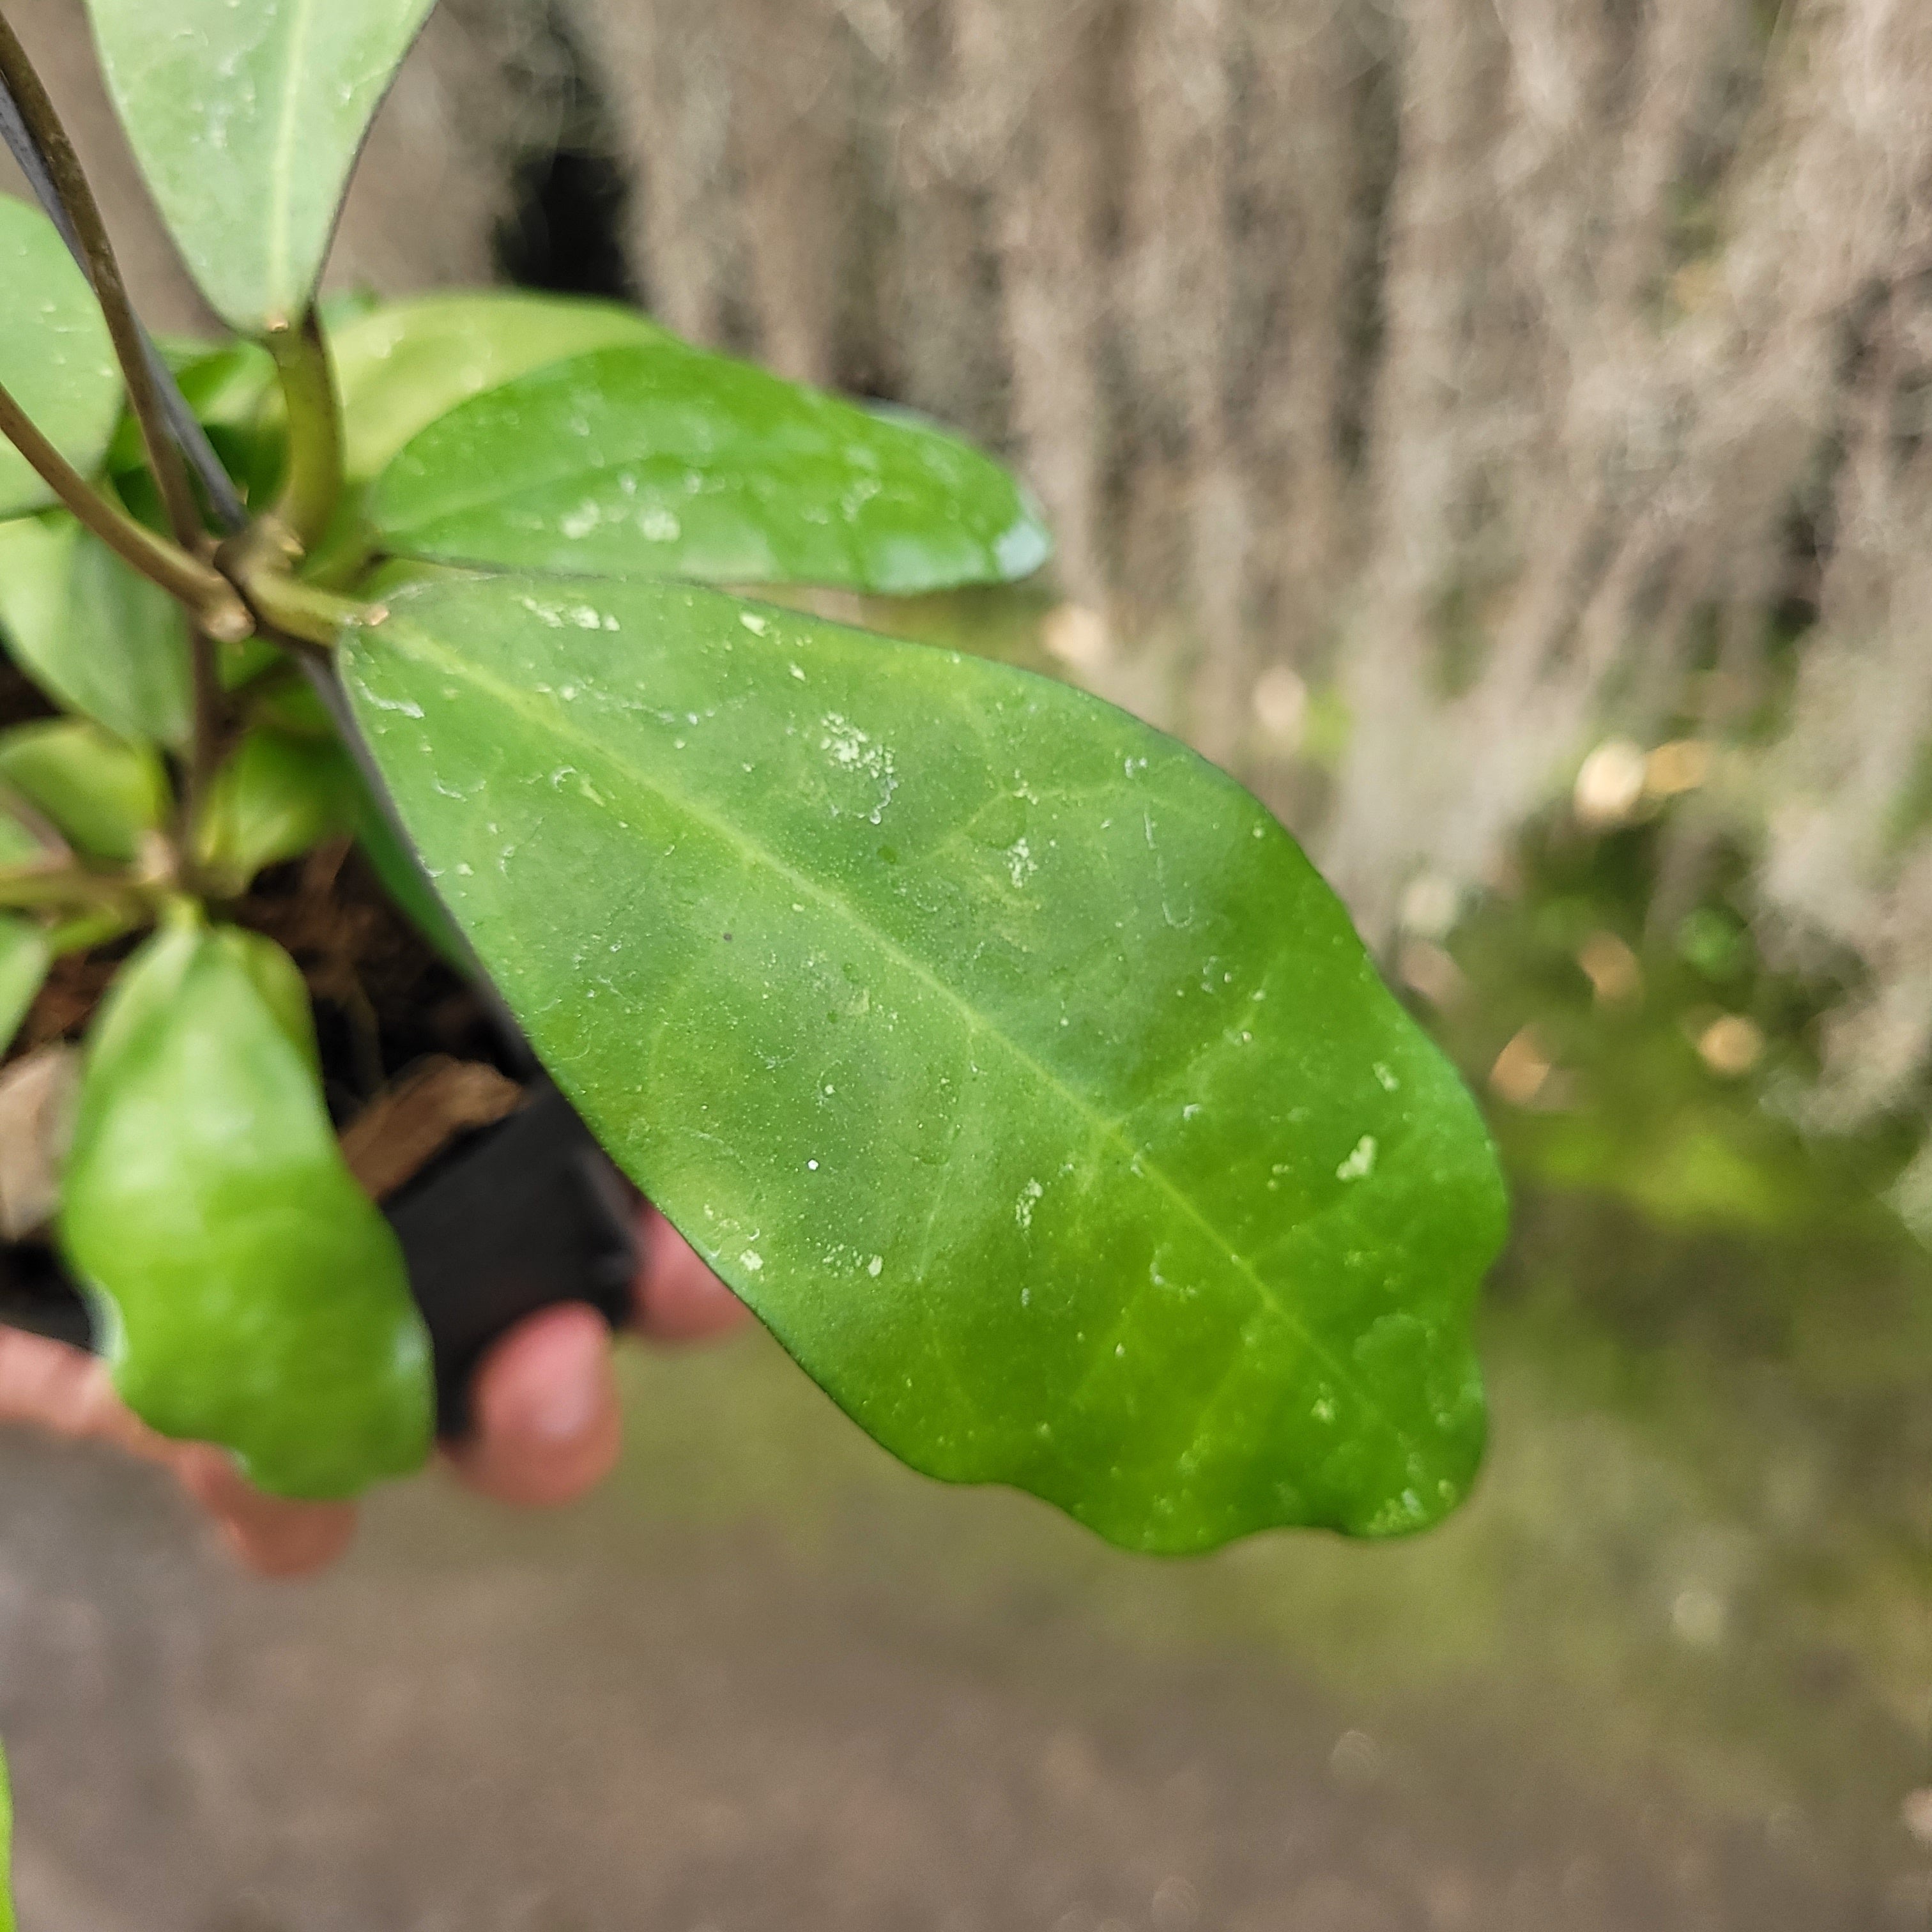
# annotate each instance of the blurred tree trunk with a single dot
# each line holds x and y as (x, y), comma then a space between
(1422, 388)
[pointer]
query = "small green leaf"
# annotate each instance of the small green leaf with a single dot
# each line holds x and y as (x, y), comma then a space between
(96, 637)
(104, 793)
(274, 797)
(1010, 1061)
(246, 120)
(232, 390)
(255, 1296)
(403, 365)
(659, 460)
(6, 1848)
(24, 957)
(56, 357)
(18, 845)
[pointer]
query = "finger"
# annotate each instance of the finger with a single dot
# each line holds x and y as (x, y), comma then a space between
(545, 1404)
(272, 1536)
(679, 1298)
(66, 1390)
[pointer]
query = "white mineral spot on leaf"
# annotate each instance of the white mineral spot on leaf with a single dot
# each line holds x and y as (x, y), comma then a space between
(659, 526)
(812, 1166)
(1188, 1112)
(875, 1266)
(756, 625)
(1325, 1410)
(1023, 1207)
(1385, 1079)
(1361, 1163)
(751, 1258)
(1020, 862)
(798, 673)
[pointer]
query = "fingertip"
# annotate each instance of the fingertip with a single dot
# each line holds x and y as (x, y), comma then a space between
(545, 1404)
(679, 1298)
(271, 1535)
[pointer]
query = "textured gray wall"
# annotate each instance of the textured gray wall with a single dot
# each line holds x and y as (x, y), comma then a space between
(1495, 371)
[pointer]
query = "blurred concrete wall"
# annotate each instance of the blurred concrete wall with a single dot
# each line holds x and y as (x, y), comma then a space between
(1421, 388)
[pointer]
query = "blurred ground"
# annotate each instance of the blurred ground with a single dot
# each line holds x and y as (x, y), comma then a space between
(770, 1680)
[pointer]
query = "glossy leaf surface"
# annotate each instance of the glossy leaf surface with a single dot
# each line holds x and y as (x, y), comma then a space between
(24, 957)
(95, 636)
(257, 1297)
(1011, 1061)
(275, 796)
(246, 119)
(402, 366)
(55, 358)
(401, 877)
(664, 461)
(102, 792)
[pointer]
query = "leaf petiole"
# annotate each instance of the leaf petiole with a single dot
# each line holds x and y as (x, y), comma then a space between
(70, 888)
(313, 486)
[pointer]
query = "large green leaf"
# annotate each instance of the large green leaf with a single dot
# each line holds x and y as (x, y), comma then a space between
(402, 366)
(255, 1296)
(95, 635)
(1011, 1061)
(659, 460)
(401, 877)
(246, 116)
(56, 357)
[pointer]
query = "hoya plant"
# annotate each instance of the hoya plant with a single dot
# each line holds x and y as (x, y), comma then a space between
(1011, 1062)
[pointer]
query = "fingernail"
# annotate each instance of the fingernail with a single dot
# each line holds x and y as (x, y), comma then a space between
(564, 1406)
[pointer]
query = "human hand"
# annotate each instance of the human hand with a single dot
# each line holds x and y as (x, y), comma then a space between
(544, 1400)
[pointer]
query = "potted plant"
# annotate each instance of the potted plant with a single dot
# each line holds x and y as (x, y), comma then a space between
(1010, 1061)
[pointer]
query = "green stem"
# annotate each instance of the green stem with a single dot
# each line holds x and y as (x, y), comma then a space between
(303, 612)
(25, 888)
(314, 485)
(82, 934)
(205, 754)
(124, 327)
(209, 596)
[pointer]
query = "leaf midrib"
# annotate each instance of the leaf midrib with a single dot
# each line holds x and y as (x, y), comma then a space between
(281, 173)
(522, 702)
